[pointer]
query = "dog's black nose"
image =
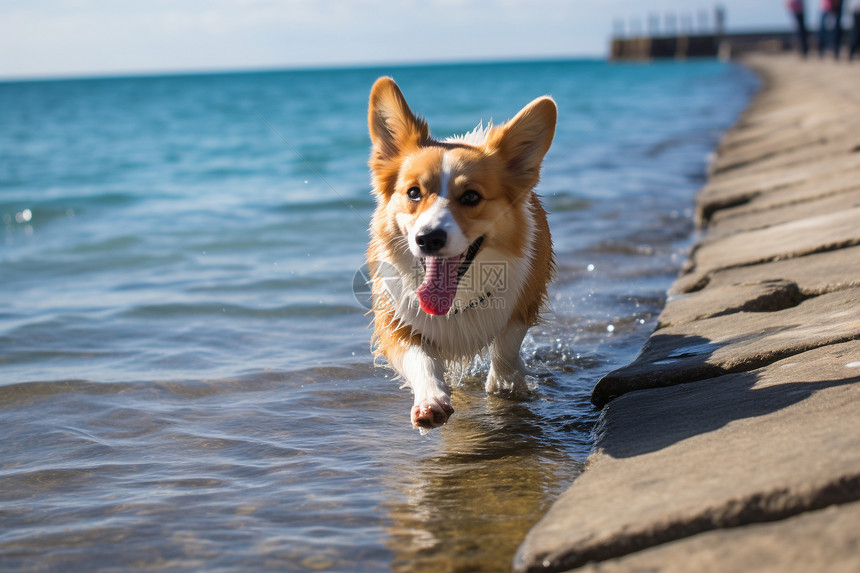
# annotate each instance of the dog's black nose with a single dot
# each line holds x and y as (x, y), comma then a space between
(431, 242)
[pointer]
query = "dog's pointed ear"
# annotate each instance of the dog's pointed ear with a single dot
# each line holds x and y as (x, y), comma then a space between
(393, 126)
(524, 140)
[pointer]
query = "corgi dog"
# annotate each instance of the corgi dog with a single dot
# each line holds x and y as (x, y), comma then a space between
(460, 252)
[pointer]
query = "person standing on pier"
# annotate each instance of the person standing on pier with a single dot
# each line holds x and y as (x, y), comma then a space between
(797, 8)
(855, 30)
(831, 27)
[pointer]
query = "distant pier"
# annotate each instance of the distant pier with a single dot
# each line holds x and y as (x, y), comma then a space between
(724, 46)
(680, 39)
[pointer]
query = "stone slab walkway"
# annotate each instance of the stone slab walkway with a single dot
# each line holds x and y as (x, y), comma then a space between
(732, 443)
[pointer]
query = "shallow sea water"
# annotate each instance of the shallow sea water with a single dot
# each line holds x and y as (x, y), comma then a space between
(185, 376)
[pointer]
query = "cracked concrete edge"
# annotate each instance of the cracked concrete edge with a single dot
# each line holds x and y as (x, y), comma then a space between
(766, 295)
(800, 543)
(711, 347)
(756, 508)
(815, 274)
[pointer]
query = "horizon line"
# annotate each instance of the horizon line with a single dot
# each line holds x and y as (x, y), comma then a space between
(334, 66)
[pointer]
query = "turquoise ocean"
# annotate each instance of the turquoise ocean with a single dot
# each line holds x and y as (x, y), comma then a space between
(185, 375)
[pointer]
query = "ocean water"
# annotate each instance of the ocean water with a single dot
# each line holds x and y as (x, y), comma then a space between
(185, 375)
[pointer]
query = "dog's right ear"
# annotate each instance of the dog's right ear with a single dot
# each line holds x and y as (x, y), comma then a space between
(393, 126)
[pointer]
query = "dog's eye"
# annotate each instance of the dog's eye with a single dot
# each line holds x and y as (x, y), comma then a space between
(414, 193)
(470, 198)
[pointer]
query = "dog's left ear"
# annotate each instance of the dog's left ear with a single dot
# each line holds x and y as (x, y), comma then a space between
(524, 140)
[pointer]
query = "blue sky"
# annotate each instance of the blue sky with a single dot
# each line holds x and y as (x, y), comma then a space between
(46, 38)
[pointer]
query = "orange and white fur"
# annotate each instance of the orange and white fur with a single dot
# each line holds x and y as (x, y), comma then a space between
(460, 252)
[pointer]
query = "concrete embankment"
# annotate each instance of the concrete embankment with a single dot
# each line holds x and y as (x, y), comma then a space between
(732, 443)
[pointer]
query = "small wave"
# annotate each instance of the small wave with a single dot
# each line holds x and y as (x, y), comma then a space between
(275, 285)
(622, 248)
(29, 390)
(37, 356)
(197, 310)
(71, 201)
(253, 380)
(107, 245)
(356, 203)
(40, 212)
(561, 203)
(28, 483)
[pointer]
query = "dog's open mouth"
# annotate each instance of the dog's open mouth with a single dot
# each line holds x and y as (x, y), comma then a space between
(441, 277)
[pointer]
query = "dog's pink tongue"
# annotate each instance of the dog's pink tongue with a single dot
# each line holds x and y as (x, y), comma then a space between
(436, 294)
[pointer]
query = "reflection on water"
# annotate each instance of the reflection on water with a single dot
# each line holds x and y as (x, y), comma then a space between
(468, 507)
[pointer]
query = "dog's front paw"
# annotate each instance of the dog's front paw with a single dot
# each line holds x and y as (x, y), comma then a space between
(512, 384)
(431, 413)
